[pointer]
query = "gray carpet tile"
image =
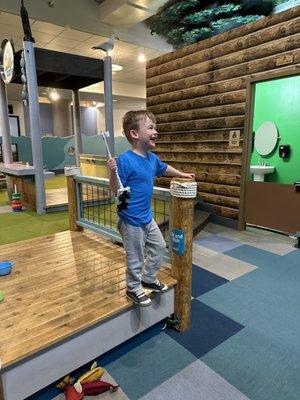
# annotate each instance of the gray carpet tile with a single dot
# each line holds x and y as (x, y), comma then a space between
(195, 382)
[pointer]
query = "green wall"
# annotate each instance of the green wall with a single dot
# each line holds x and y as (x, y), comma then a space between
(278, 101)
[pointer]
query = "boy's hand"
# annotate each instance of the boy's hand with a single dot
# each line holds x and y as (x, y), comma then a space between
(187, 175)
(112, 163)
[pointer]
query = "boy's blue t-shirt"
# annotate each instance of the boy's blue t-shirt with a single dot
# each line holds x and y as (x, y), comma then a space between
(138, 173)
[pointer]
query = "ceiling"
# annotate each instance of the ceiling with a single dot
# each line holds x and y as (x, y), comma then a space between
(66, 39)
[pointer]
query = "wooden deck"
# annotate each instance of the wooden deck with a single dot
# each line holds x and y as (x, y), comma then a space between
(58, 198)
(61, 285)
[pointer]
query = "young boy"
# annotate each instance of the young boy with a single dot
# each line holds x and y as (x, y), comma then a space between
(137, 169)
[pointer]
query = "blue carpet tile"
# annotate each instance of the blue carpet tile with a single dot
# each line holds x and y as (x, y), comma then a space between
(218, 243)
(209, 328)
(203, 281)
(148, 365)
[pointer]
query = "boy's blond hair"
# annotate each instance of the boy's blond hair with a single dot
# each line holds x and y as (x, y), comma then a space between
(132, 119)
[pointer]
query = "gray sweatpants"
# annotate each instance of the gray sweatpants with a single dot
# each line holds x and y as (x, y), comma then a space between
(144, 247)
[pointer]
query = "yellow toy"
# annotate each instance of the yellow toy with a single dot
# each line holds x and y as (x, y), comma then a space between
(94, 374)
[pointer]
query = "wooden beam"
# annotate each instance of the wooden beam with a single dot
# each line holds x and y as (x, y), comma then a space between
(71, 185)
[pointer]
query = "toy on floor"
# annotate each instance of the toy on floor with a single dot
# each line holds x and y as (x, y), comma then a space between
(88, 383)
(92, 375)
(16, 203)
(96, 387)
(1, 296)
(5, 267)
(72, 394)
(123, 194)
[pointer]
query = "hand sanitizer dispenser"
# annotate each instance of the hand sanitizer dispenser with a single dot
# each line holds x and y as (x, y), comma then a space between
(284, 150)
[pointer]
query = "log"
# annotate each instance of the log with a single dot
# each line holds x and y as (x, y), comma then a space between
(224, 190)
(197, 91)
(220, 200)
(214, 63)
(281, 30)
(202, 158)
(230, 122)
(237, 96)
(199, 148)
(199, 113)
(203, 168)
(225, 179)
(194, 137)
(226, 211)
(201, 177)
(227, 36)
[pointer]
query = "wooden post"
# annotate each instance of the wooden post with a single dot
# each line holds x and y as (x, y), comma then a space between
(183, 192)
(72, 204)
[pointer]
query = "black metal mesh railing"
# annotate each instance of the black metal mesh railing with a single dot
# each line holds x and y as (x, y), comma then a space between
(97, 208)
(97, 205)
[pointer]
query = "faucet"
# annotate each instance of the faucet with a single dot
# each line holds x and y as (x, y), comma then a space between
(263, 162)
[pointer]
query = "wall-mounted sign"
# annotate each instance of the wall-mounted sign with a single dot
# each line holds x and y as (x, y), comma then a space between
(234, 138)
(7, 60)
(178, 245)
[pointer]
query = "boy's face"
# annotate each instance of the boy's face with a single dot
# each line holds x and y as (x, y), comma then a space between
(145, 137)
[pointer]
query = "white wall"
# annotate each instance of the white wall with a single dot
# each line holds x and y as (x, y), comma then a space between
(118, 117)
(18, 110)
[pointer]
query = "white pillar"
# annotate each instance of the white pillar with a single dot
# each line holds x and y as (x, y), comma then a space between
(4, 126)
(108, 102)
(76, 125)
(35, 126)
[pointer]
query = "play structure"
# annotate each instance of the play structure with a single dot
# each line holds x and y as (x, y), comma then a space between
(40, 67)
(65, 301)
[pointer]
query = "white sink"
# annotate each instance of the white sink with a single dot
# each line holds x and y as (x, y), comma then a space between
(259, 171)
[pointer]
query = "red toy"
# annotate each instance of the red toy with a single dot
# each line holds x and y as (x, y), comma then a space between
(72, 394)
(97, 387)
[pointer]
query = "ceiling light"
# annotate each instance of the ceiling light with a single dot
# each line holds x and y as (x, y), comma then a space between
(141, 57)
(116, 67)
(53, 95)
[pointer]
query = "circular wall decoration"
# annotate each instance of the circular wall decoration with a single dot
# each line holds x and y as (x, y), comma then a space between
(266, 137)
(7, 60)
(71, 151)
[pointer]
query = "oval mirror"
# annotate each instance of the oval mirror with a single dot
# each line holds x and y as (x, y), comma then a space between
(266, 138)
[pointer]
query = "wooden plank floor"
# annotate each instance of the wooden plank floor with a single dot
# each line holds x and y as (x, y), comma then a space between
(60, 285)
(55, 197)
(59, 197)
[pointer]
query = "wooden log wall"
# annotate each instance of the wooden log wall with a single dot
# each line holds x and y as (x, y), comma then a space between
(198, 95)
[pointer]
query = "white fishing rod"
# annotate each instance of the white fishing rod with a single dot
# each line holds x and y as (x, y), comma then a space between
(123, 194)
